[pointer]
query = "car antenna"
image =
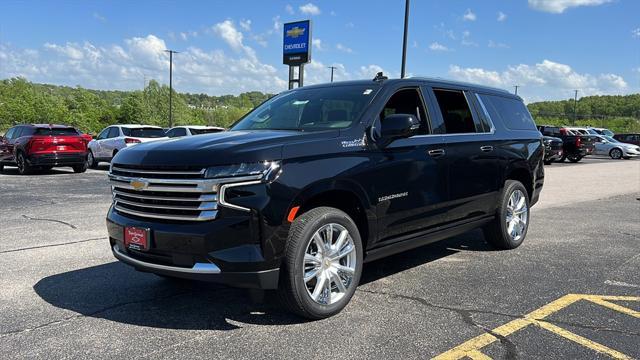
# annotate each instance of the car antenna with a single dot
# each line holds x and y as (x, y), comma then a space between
(380, 77)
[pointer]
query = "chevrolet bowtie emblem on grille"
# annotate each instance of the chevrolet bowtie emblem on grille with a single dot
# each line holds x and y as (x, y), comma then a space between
(295, 32)
(139, 184)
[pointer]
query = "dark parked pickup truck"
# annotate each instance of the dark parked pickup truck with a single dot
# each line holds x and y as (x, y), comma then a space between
(575, 147)
(314, 182)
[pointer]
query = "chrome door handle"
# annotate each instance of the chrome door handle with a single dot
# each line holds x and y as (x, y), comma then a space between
(436, 152)
(486, 148)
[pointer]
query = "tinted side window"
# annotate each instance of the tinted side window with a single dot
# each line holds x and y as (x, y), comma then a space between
(407, 101)
(9, 133)
(17, 132)
(113, 132)
(456, 113)
(103, 134)
(180, 132)
(28, 131)
(171, 133)
(512, 112)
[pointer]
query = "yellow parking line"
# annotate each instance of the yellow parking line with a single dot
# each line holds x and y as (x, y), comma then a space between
(581, 340)
(471, 348)
(615, 307)
(477, 355)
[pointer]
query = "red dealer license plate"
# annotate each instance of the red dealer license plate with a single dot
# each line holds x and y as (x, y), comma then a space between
(136, 238)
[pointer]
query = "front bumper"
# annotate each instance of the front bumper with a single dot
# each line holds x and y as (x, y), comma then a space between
(57, 159)
(553, 154)
(631, 152)
(227, 250)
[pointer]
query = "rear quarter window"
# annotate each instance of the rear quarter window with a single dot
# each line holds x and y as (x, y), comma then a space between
(512, 112)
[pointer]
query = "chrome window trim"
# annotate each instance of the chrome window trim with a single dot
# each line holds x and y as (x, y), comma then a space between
(486, 113)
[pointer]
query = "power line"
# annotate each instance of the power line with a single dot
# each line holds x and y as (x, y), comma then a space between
(171, 52)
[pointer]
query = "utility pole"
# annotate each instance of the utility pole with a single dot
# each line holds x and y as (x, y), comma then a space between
(332, 68)
(575, 107)
(171, 52)
(516, 87)
(404, 40)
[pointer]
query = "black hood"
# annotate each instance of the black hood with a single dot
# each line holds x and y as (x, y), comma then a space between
(229, 147)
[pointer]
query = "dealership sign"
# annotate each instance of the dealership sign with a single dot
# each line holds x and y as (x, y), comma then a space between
(296, 48)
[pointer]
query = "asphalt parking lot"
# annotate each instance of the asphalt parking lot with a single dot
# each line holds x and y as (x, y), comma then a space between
(572, 290)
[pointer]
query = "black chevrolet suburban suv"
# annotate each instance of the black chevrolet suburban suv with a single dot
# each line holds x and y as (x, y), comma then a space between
(318, 180)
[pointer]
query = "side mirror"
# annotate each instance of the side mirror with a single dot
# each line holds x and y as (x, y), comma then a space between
(397, 126)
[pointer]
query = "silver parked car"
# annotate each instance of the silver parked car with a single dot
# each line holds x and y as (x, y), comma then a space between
(117, 137)
(606, 145)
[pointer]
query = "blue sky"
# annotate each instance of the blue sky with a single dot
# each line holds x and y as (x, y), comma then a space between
(548, 47)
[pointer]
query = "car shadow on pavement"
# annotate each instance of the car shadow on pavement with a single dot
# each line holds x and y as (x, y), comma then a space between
(13, 171)
(118, 293)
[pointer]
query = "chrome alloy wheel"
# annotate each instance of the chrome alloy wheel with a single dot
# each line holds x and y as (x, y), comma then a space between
(90, 159)
(329, 264)
(517, 215)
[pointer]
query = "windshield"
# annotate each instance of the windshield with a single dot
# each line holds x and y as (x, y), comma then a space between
(592, 132)
(143, 132)
(56, 131)
(607, 132)
(332, 107)
(204, 131)
(610, 139)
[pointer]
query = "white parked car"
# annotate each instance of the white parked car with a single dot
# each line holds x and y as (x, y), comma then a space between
(606, 145)
(117, 137)
(191, 130)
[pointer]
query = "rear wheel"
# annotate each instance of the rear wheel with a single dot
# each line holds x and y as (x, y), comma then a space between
(80, 168)
(323, 263)
(1, 167)
(574, 158)
(615, 154)
(23, 167)
(509, 228)
(91, 161)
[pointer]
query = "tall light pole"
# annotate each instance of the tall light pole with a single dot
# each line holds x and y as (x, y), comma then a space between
(171, 52)
(332, 68)
(404, 40)
(575, 107)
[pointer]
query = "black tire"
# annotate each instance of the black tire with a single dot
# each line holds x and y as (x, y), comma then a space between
(292, 289)
(80, 168)
(574, 158)
(1, 167)
(496, 232)
(23, 167)
(615, 154)
(92, 163)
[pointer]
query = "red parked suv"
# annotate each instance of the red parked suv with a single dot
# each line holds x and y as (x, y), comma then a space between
(41, 147)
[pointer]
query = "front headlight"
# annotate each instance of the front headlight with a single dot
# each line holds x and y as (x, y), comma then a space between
(258, 170)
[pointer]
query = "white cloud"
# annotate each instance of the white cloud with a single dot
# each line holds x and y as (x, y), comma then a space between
(466, 39)
(469, 16)
(184, 36)
(227, 31)
(501, 16)
(350, 25)
(245, 25)
(310, 9)
(344, 48)
(370, 71)
(545, 80)
(436, 46)
(318, 44)
(559, 6)
(124, 66)
(289, 9)
(635, 33)
(497, 45)
(99, 17)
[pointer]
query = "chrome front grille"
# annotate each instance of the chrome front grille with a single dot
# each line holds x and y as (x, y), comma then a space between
(169, 194)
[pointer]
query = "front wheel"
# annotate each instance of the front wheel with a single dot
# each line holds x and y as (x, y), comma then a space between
(91, 160)
(322, 265)
(509, 228)
(615, 154)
